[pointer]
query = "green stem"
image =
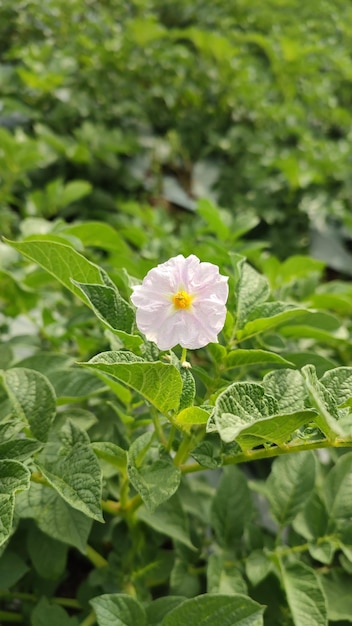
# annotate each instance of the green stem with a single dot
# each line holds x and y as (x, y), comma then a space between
(184, 448)
(70, 603)
(112, 507)
(171, 438)
(183, 356)
(89, 620)
(8, 616)
(267, 453)
(95, 557)
(159, 429)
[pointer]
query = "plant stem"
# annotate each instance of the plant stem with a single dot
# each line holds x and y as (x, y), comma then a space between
(184, 356)
(95, 557)
(158, 428)
(89, 620)
(70, 603)
(171, 438)
(112, 507)
(184, 448)
(8, 616)
(267, 453)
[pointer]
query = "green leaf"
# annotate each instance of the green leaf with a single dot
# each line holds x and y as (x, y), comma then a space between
(14, 477)
(73, 384)
(12, 569)
(160, 607)
(288, 389)
(338, 382)
(62, 262)
(276, 429)
(289, 485)
(252, 289)
(19, 449)
(118, 609)
(234, 610)
(268, 316)
(7, 505)
(170, 520)
(111, 453)
(152, 471)
(159, 383)
(231, 509)
(312, 523)
(74, 190)
(45, 613)
(338, 489)
(188, 388)
(211, 214)
(45, 362)
(337, 591)
(258, 566)
(244, 358)
(71, 467)
(32, 398)
(97, 234)
(193, 415)
(224, 576)
(54, 516)
(323, 401)
(304, 595)
(239, 406)
(109, 306)
(48, 555)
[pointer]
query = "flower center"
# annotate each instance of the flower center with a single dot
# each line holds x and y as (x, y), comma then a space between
(182, 300)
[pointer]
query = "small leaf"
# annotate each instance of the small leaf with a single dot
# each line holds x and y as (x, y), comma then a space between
(111, 453)
(323, 401)
(48, 555)
(159, 383)
(244, 358)
(252, 289)
(45, 613)
(188, 388)
(224, 576)
(338, 382)
(338, 489)
(152, 471)
(304, 595)
(337, 591)
(231, 508)
(276, 429)
(268, 316)
(240, 405)
(288, 389)
(289, 485)
(73, 384)
(7, 504)
(109, 306)
(14, 477)
(193, 415)
(170, 520)
(12, 569)
(54, 516)
(118, 609)
(72, 468)
(234, 610)
(160, 607)
(33, 399)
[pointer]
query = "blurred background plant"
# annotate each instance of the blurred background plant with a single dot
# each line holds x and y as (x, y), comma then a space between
(164, 102)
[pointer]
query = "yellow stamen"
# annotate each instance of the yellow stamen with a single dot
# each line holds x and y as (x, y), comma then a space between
(182, 300)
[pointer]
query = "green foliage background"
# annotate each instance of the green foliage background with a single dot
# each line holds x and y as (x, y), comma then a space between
(130, 132)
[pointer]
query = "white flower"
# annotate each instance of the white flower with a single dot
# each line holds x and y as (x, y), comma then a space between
(181, 302)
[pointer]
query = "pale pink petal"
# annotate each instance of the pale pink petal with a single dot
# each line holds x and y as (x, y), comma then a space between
(168, 326)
